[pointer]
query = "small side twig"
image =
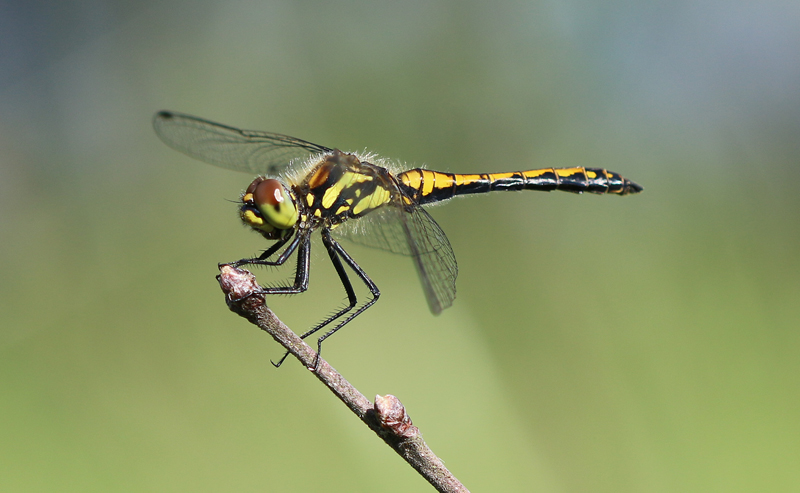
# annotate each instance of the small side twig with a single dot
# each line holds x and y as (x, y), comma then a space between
(386, 417)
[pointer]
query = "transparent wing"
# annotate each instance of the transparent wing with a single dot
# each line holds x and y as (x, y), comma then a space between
(381, 229)
(229, 147)
(411, 231)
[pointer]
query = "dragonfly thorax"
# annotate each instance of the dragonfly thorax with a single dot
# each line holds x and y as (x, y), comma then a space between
(269, 207)
(342, 187)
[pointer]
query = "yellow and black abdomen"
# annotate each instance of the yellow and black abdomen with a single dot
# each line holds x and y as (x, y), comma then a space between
(427, 186)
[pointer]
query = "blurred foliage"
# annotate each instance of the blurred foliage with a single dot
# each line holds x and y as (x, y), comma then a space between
(645, 343)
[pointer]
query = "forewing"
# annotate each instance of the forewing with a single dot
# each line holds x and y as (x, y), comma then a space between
(229, 147)
(411, 231)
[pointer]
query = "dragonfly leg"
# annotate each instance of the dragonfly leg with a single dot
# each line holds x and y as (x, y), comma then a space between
(373, 289)
(337, 254)
(303, 246)
(269, 252)
(301, 243)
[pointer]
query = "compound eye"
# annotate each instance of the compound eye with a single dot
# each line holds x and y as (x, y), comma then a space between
(275, 204)
(268, 192)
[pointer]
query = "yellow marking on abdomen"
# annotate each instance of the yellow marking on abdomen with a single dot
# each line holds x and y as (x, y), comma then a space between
(410, 179)
(429, 178)
(536, 173)
(565, 172)
(502, 176)
(466, 179)
(443, 180)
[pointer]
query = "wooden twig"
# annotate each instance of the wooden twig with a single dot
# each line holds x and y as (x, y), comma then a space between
(386, 417)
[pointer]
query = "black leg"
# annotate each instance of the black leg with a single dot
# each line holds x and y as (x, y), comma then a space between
(337, 254)
(301, 241)
(303, 245)
(373, 289)
(262, 259)
(348, 287)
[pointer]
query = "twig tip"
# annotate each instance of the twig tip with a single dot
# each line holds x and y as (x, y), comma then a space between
(238, 285)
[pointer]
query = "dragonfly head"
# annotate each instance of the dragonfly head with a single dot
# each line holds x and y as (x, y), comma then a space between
(269, 208)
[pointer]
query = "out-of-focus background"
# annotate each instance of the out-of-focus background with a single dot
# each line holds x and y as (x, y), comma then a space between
(598, 343)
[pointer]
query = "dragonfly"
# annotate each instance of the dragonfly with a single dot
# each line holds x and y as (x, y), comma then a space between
(302, 187)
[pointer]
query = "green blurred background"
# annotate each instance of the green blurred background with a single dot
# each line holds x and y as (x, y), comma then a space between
(645, 343)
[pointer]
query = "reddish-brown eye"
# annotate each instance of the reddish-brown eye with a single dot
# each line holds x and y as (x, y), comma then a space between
(252, 187)
(268, 192)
